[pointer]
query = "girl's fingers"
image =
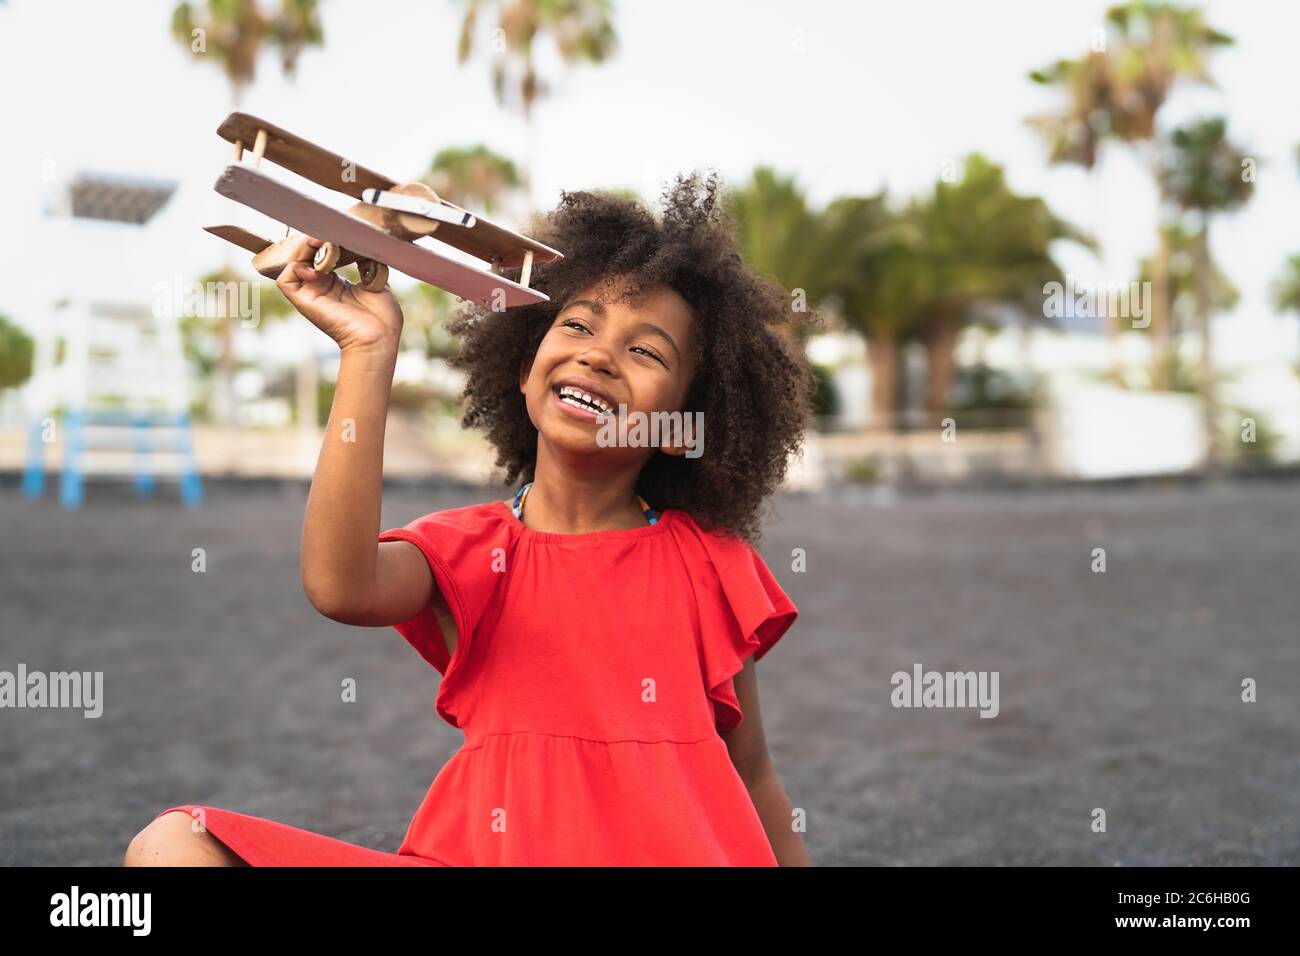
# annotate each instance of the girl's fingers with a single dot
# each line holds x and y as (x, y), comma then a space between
(288, 280)
(304, 249)
(296, 275)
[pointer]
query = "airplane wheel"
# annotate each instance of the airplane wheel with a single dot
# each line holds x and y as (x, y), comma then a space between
(374, 275)
(327, 257)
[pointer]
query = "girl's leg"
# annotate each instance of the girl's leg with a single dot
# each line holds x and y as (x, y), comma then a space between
(170, 840)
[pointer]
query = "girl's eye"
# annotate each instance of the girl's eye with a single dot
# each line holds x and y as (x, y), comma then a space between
(650, 353)
(575, 323)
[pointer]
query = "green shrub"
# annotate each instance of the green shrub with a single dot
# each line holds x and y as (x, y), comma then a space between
(863, 471)
(826, 400)
(16, 351)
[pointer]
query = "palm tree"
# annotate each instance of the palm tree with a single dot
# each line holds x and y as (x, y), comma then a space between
(1074, 133)
(836, 256)
(1184, 268)
(470, 176)
(473, 176)
(582, 31)
(883, 305)
(1156, 45)
(1205, 176)
(779, 235)
(1118, 94)
(979, 243)
(1185, 275)
(1286, 290)
(201, 330)
(233, 34)
(921, 274)
(870, 267)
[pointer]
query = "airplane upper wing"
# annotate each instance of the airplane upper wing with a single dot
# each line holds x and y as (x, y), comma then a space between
(303, 156)
(259, 191)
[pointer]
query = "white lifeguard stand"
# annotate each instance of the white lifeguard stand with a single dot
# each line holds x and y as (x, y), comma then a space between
(109, 384)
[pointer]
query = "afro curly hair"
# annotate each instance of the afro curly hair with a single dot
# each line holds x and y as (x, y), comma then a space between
(752, 382)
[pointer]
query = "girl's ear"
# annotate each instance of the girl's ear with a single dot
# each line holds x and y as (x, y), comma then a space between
(680, 441)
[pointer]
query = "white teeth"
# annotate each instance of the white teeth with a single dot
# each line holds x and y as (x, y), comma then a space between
(570, 391)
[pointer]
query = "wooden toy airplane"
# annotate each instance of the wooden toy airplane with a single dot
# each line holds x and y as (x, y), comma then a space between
(379, 231)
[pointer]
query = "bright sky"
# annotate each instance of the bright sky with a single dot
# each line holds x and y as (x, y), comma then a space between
(848, 97)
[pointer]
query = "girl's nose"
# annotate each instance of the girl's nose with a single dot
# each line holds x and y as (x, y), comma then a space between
(597, 358)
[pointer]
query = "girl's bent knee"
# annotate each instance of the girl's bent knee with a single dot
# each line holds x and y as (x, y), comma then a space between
(171, 840)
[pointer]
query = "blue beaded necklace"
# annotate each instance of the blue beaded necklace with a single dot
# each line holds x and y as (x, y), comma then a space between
(518, 506)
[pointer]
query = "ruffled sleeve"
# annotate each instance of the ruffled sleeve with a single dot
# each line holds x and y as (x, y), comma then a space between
(743, 611)
(465, 549)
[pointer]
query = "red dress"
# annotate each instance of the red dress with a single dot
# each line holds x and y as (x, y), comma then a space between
(591, 678)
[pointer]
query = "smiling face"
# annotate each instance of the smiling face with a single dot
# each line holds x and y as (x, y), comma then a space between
(638, 353)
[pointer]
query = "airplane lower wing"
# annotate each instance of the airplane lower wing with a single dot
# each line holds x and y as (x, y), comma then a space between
(259, 191)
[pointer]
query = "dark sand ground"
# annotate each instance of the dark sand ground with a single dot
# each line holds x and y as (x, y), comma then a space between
(1118, 690)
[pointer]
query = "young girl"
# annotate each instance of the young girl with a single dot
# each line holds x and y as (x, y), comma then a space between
(596, 631)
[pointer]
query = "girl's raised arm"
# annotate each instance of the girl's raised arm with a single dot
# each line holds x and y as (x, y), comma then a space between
(347, 574)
